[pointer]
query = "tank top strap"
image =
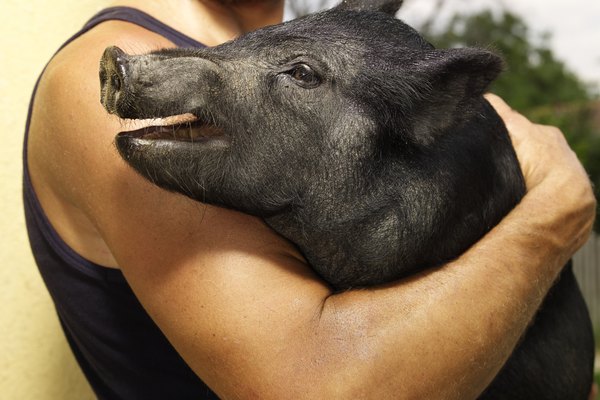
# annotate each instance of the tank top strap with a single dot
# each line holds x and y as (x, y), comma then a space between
(144, 20)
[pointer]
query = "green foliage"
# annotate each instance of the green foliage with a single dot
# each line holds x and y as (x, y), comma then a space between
(535, 82)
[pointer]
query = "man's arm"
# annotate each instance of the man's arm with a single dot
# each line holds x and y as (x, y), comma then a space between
(246, 312)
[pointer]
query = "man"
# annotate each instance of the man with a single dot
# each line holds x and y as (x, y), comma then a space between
(236, 301)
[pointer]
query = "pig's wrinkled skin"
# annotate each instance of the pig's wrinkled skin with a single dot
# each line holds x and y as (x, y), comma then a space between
(357, 140)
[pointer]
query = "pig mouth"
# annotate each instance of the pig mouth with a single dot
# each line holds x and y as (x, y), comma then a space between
(186, 128)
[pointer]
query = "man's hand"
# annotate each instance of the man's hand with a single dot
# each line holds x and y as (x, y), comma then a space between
(551, 167)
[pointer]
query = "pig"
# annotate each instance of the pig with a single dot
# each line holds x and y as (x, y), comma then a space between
(356, 139)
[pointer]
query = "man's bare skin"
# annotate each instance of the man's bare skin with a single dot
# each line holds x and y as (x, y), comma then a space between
(239, 303)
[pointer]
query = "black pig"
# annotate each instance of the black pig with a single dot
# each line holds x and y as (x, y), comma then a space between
(354, 138)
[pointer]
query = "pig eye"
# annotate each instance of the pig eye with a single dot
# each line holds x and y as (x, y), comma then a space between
(304, 75)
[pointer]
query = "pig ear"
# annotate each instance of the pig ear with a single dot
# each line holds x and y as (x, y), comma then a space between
(467, 69)
(450, 80)
(389, 6)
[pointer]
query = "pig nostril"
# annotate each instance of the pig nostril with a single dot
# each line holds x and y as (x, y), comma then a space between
(115, 82)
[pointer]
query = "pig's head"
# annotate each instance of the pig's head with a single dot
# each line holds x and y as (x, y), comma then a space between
(324, 100)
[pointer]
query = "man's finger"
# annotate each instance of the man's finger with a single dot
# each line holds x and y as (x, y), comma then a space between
(499, 104)
(518, 126)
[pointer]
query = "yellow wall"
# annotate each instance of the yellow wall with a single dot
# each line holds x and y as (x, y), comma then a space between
(35, 362)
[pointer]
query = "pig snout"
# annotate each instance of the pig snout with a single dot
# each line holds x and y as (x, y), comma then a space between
(114, 73)
(156, 85)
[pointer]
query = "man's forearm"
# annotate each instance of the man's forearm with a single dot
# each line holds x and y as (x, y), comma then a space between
(446, 333)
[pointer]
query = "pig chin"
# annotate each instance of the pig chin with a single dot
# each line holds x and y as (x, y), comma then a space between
(166, 154)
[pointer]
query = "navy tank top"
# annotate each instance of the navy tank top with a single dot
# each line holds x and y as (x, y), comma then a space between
(121, 351)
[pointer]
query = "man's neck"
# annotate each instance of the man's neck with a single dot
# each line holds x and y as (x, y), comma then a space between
(245, 16)
(211, 22)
